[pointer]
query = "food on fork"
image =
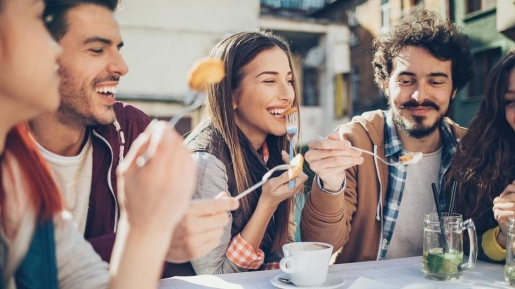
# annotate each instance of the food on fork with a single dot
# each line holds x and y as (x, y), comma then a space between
(289, 111)
(296, 166)
(411, 158)
(205, 71)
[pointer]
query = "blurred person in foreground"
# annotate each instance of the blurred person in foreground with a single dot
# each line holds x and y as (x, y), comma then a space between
(241, 136)
(484, 165)
(90, 134)
(364, 208)
(40, 246)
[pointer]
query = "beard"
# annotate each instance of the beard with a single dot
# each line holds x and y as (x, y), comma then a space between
(76, 105)
(414, 126)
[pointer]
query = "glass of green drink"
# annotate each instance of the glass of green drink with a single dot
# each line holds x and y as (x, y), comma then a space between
(443, 246)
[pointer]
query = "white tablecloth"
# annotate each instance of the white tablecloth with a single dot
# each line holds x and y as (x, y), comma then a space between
(395, 273)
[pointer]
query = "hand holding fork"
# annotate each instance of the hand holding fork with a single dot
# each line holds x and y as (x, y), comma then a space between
(329, 158)
(409, 158)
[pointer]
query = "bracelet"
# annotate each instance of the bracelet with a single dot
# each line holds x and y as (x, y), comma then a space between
(321, 186)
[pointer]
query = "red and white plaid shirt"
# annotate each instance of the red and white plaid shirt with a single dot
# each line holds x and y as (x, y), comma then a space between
(242, 254)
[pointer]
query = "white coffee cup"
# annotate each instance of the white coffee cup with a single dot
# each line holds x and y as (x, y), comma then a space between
(306, 262)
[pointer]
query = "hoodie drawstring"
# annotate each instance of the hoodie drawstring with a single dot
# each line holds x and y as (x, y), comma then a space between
(121, 136)
(380, 200)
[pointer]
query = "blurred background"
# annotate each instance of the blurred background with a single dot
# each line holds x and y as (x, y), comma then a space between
(331, 41)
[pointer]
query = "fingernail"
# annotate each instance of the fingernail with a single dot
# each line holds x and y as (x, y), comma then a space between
(153, 122)
(220, 195)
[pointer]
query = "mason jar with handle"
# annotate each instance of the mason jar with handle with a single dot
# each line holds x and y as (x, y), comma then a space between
(443, 246)
(509, 267)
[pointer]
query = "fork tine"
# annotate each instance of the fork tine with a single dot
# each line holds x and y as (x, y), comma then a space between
(292, 119)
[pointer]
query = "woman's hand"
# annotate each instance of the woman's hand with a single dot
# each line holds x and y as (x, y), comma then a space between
(155, 196)
(504, 207)
(276, 189)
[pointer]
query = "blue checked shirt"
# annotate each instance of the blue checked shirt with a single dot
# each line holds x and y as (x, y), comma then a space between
(397, 175)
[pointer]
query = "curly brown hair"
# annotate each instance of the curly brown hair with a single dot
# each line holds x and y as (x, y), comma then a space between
(428, 30)
(485, 162)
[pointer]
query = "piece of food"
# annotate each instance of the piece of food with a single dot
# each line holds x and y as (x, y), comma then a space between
(296, 166)
(411, 158)
(289, 111)
(206, 71)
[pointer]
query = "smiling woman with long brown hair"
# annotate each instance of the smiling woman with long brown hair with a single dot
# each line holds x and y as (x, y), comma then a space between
(484, 166)
(240, 138)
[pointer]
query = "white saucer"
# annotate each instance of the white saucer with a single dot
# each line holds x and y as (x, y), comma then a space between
(332, 281)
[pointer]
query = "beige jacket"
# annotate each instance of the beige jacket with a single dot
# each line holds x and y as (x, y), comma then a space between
(352, 221)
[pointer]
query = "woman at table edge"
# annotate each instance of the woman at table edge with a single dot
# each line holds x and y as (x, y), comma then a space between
(40, 247)
(484, 166)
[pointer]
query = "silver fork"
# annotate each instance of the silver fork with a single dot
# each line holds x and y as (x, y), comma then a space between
(265, 178)
(388, 163)
(198, 100)
(291, 131)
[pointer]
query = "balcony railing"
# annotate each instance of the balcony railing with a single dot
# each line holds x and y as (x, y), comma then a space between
(307, 5)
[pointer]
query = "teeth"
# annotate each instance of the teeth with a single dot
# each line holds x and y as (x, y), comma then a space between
(276, 111)
(106, 89)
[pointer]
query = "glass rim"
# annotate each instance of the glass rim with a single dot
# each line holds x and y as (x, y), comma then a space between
(433, 217)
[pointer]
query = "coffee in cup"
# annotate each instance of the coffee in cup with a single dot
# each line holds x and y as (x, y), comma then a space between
(306, 262)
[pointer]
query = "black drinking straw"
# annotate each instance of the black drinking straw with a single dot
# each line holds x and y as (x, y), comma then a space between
(453, 195)
(443, 240)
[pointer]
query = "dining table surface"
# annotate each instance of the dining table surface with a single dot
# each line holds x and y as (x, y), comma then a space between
(394, 273)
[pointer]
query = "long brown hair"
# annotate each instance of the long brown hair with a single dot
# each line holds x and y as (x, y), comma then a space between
(236, 52)
(43, 192)
(485, 162)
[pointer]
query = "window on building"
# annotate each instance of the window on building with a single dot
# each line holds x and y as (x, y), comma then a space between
(385, 15)
(483, 63)
(353, 38)
(476, 5)
(310, 87)
(341, 95)
(415, 2)
(355, 82)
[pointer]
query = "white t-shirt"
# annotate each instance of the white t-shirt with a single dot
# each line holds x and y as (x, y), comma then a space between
(417, 200)
(73, 175)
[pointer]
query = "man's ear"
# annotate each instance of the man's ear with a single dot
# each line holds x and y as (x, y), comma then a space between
(386, 89)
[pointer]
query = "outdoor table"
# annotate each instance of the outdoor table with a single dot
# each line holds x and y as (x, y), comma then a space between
(395, 273)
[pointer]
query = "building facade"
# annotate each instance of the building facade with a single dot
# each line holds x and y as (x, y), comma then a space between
(490, 25)
(164, 37)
